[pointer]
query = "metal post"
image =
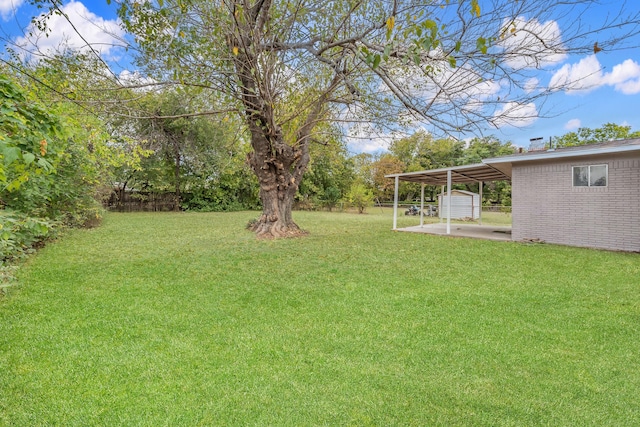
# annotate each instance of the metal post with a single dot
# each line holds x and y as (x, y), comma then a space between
(441, 204)
(421, 205)
(449, 201)
(395, 205)
(480, 212)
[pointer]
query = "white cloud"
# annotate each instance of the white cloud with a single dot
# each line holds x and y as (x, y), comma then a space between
(573, 124)
(532, 44)
(531, 85)
(362, 138)
(587, 75)
(515, 114)
(370, 146)
(478, 93)
(8, 8)
(102, 35)
(437, 84)
(583, 77)
(625, 77)
(135, 79)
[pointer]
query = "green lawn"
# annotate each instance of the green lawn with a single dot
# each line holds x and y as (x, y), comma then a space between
(187, 319)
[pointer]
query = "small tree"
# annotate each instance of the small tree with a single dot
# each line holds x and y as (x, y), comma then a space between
(359, 196)
(331, 197)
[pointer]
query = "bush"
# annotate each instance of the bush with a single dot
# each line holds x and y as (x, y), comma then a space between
(20, 234)
(359, 196)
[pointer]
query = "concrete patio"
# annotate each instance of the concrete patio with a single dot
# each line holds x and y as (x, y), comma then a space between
(475, 231)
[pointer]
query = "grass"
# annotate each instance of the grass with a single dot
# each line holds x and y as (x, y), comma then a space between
(187, 319)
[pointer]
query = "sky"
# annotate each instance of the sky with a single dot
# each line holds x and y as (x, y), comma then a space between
(608, 88)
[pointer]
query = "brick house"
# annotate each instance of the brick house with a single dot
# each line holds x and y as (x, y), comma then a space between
(586, 196)
(578, 196)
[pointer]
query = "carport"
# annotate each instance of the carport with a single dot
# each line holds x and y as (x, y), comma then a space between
(446, 177)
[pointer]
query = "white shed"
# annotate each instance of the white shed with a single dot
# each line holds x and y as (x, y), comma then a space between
(464, 204)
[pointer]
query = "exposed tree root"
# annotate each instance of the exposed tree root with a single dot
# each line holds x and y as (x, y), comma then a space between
(265, 229)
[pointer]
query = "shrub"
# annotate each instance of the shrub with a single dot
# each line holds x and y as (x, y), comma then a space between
(20, 234)
(359, 196)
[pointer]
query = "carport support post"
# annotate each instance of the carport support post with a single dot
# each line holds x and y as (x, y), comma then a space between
(480, 207)
(421, 205)
(395, 204)
(441, 201)
(449, 201)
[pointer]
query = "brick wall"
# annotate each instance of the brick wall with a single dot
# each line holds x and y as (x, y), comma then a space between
(546, 206)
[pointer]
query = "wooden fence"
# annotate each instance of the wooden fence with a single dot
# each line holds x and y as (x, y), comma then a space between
(141, 201)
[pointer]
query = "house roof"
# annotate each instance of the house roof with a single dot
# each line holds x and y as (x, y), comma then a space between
(608, 147)
(499, 168)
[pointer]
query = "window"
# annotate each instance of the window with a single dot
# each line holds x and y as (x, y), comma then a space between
(590, 176)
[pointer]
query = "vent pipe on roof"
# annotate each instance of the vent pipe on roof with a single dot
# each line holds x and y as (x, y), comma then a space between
(551, 148)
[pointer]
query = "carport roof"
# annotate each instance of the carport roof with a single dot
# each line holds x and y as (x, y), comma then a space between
(465, 174)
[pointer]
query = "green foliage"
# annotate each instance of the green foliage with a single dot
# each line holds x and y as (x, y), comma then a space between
(19, 233)
(328, 177)
(584, 136)
(422, 151)
(231, 190)
(26, 132)
(359, 196)
(331, 197)
(55, 163)
(201, 159)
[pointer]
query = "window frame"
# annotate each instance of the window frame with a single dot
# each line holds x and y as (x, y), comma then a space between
(589, 185)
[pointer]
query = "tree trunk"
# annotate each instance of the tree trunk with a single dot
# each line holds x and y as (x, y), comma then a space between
(279, 173)
(278, 164)
(276, 220)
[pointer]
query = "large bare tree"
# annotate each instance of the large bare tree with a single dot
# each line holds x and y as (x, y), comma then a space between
(287, 65)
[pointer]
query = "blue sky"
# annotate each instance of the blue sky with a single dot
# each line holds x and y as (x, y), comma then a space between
(609, 88)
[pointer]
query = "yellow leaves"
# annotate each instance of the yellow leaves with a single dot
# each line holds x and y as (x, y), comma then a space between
(511, 28)
(235, 50)
(43, 147)
(391, 22)
(475, 8)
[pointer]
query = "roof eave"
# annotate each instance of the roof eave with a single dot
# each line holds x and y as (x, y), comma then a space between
(552, 154)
